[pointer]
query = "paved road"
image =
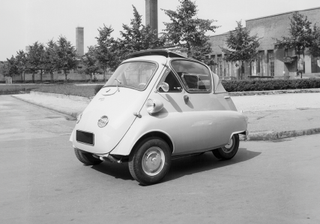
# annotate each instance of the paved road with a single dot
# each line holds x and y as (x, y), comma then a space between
(42, 181)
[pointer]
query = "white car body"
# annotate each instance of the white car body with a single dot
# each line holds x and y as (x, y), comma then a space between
(189, 120)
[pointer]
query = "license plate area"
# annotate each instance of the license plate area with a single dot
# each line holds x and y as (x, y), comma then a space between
(85, 137)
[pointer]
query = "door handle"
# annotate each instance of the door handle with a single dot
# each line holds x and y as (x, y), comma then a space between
(186, 98)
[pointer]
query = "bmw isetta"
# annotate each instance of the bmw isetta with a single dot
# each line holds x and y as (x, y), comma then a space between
(158, 105)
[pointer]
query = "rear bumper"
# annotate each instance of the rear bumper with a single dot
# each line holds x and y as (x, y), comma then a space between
(245, 135)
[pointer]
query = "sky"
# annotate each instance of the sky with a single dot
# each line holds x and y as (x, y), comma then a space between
(24, 22)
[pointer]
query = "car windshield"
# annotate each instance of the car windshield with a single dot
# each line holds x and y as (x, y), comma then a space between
(135, 75)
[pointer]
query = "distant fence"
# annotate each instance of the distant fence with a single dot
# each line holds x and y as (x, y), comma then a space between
(57, 77)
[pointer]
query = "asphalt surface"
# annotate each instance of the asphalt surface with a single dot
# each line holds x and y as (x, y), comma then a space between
(42, 182)
(271, 115)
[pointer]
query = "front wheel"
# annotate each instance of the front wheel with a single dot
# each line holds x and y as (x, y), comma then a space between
(228, 151)
(151, 161)
(86, 158)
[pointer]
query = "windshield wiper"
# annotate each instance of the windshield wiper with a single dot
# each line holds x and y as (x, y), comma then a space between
(118, 83)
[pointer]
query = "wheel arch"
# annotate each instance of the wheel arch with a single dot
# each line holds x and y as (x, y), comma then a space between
(245, 133)
(158, 134)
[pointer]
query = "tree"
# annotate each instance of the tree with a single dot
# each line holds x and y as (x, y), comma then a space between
(66, 57)
(314, 49)
(119, 53)
(103, 52)
(187, 31)
(10, 67)
(241, 46)
(22, 64)
(300, 36)
(3, 68)
(150, 38)
(90, 62)
(137, 37)
(50, 58)
(36, 59)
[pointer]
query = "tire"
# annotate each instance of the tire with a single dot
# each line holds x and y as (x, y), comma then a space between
(228, 151)
(86, 158)
(150, 161)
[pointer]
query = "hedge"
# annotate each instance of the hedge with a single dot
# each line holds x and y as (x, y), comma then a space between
(260, 85)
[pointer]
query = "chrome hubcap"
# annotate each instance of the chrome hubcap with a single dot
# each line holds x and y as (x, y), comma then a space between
(228, 148)
(153, 161)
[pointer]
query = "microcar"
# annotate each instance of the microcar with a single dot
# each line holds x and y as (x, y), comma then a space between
(158, 105)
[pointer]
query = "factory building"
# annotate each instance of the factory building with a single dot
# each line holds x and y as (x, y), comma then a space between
(271, 62)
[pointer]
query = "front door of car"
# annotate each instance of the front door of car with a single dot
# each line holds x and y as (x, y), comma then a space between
(191, 120)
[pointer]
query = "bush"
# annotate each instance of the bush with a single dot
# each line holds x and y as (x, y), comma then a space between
(69, 89)
(260, 85)
(16, 89)
(97, 88)
(65, 89)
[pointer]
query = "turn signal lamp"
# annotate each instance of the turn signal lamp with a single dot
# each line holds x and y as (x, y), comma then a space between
(154, 106)
(103, 121)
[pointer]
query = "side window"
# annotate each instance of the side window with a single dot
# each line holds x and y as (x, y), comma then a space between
(195, 76)
(174, 85)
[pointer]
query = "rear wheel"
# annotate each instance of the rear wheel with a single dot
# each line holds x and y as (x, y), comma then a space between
(86, 157)
(229, 150)
(151, 161)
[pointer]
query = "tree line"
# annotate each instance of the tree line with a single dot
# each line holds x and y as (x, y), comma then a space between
(185, 31)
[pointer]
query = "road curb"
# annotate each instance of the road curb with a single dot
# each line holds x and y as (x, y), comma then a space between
(274, 92)
(72, 115)
(273, 135)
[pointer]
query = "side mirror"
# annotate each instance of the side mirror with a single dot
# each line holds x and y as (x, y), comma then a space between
(164, 86)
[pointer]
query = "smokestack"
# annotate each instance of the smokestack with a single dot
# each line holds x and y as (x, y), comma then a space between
(152, 14)
(80, 41)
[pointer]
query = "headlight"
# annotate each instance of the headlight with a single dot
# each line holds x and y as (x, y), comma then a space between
(79, 117)
(103, 121)
(154, 106)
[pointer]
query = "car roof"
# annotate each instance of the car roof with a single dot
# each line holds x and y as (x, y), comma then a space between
(156, 52)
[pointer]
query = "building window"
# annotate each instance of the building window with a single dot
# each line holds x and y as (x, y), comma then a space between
(270, 61)
(259, 63)
(220, 66)
(315, 65)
